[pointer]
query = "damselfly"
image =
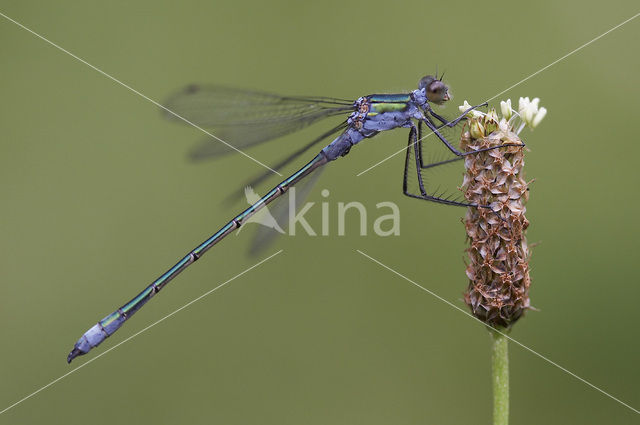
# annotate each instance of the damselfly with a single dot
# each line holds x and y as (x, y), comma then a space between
(246, 118)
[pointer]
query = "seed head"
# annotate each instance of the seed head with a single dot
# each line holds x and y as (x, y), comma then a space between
(498, 269)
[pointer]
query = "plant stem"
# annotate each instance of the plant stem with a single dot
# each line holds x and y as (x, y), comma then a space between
(500, 377)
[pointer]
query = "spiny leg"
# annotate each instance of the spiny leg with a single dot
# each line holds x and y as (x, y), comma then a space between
(445, 123)
(417, 145)
(413, 144)
(433, 164)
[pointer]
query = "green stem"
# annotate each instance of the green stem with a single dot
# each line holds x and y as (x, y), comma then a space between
(500, 377)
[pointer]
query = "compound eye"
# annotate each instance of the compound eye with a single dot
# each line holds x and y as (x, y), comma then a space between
(437, 92)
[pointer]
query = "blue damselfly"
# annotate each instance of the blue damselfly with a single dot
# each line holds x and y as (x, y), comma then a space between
(246, 118)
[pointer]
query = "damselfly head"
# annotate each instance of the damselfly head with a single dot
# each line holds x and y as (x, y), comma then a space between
(437, 92)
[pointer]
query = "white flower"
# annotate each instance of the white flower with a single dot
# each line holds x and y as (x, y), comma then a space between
(505, 107)
(524, 108)
(529, 112)
(472, 114)
(464, 106)
(534, 103)
(539, 116)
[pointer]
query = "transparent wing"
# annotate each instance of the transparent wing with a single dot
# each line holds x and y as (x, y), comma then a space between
(244, 118)
(281, 211)
(260, 178)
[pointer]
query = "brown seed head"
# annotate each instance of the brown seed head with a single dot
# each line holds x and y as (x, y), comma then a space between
(498, 268)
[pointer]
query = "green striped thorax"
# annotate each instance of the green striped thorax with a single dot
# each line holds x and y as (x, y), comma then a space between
(381, 103)
(434, 89)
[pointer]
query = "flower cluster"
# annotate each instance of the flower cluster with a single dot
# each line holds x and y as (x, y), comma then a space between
(529, 112)
(498, 269)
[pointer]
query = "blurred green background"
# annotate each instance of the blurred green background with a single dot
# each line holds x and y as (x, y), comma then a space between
(98, 198)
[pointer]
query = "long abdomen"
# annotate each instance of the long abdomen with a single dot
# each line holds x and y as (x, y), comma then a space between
(107, 326)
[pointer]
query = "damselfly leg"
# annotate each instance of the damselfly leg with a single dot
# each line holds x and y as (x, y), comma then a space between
(455, 122)
(429, 123)
(414, 145)
(421, 153)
